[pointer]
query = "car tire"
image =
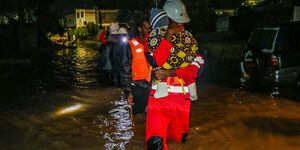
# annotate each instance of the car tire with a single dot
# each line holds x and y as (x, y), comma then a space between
(252, 62)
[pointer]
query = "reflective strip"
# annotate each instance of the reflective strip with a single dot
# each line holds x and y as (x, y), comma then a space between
(135, 42)
(150, 70)
(174, 89)
(199, 59)
(196, 64)
(156, 17)
(139, 50)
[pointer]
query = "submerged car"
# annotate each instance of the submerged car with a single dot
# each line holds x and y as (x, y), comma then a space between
(273, 54)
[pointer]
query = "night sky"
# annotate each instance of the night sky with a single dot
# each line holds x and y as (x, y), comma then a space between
(68, 5)
(65, 6)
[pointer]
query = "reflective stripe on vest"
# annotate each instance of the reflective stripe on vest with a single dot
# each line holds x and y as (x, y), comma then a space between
(140, 67)
(174, 89)
(175, 85)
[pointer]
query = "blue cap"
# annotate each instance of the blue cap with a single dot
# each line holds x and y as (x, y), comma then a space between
(158, 18)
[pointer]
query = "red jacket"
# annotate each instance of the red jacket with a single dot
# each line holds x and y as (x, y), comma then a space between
(161, 55)
(102, 37)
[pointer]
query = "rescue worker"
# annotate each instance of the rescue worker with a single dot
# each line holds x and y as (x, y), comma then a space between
(168, 116)
(135, 71)
(111, 40)
(180, 55)
(102, 36)
(116, 50)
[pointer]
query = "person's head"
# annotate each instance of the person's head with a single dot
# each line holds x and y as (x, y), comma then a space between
(122, 35)
(176, 11)
(122, 30)
(113, 28)
(141, 28)
(158, 18)
(173, 24)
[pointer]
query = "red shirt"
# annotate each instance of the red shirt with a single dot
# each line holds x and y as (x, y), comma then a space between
(102, 37)
(161, 55)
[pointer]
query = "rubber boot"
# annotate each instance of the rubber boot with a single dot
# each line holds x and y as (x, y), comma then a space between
(155, 143)
(183, 139)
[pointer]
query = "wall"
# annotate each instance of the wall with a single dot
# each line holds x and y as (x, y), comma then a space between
(18, 39)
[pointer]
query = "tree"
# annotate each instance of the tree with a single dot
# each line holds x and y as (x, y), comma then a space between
(203, 18)
(92, 29)
(31, 11)
(250, 3)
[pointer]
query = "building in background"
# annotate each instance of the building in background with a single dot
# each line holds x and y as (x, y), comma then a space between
(80, 17)
(69, 21)
(223, 19)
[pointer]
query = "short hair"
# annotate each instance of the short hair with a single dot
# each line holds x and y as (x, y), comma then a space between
(134, 32)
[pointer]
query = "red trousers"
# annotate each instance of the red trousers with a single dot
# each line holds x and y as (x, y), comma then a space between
(168, 117)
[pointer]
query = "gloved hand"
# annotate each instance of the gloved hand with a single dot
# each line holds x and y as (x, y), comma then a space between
(161, 74)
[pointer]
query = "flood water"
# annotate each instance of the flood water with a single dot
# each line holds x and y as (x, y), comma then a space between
(71, 106)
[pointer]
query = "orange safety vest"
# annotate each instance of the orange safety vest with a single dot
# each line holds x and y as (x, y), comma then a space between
(141, 70)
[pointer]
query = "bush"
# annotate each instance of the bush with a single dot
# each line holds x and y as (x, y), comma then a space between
(224, 50)
(92, 29)
(89, 31)
(217, 37)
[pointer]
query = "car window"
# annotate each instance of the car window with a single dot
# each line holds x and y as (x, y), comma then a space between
(288, 46)
(263, 39)
(294, 45)
(294, 40)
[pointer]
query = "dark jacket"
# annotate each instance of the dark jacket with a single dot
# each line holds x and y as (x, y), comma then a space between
(117, 56)
(124, 59)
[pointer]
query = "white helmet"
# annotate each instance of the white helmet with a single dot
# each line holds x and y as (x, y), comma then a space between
(114, 27)
(122, 30)
(176, 11)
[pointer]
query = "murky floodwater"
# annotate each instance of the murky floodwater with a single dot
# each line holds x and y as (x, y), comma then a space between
(90, 115)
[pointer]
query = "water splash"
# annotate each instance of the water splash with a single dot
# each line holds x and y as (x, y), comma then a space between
(117, 128)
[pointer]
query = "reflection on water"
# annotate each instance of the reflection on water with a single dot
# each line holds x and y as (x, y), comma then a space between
(231, 119)
(69, 109)
(117, 128)
(97, 118)
(78, 67)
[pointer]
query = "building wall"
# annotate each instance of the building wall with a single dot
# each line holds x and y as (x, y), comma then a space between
(90, 16)
(101, 17)
(70, 21)
(19, 38)
(80, 17)
(296, 13)
(108, 16)
(223, 23)
(274, 17)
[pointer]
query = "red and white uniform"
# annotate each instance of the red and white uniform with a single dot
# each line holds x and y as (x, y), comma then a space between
(168, 117)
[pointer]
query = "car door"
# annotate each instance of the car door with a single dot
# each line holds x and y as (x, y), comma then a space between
(290, 56)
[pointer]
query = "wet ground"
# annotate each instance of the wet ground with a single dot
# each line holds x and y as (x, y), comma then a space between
(69, 105)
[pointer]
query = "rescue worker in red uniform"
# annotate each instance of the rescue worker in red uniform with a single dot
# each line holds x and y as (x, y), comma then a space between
(102, 37)
(168, 116)
(135, 71)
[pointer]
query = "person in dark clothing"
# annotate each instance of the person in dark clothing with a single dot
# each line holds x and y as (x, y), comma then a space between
(111, 40)
(135, 71)
(116, 55)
